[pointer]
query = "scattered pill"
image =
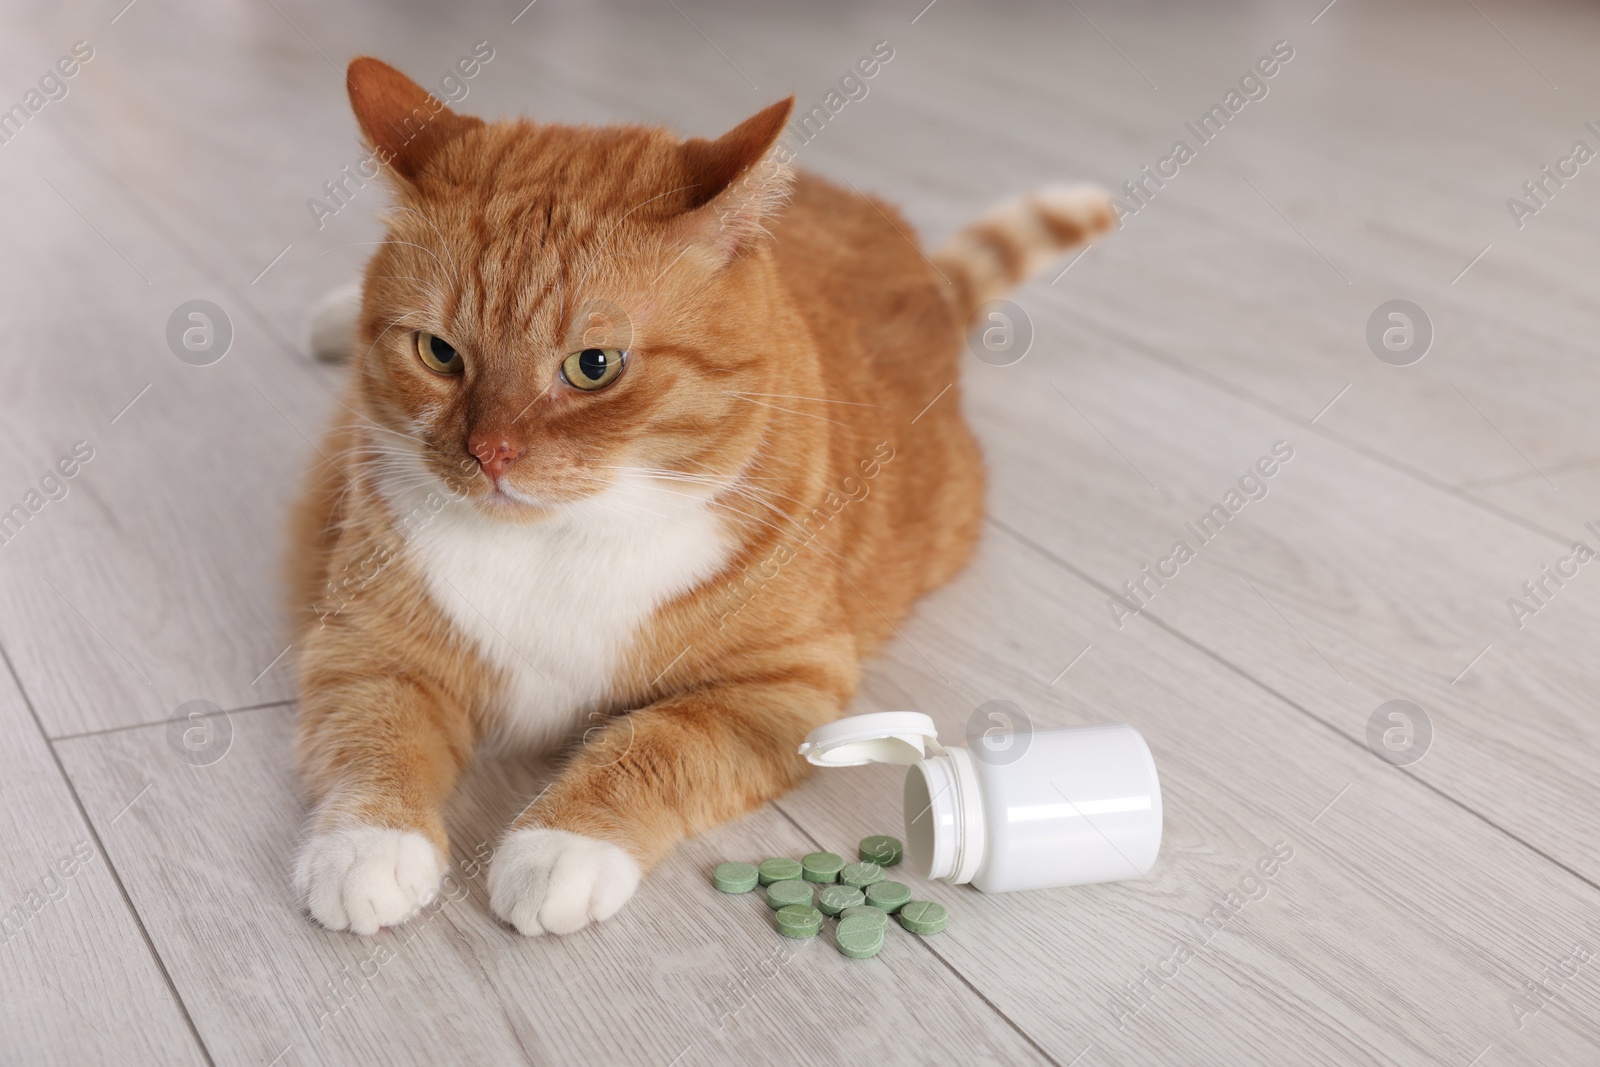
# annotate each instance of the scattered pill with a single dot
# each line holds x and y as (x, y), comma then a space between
(821, 867)
(802, 892)
(799, 920)
(835, 898)
(859, 937)
(790, 891)
(778, 870)
(924, 917)
(890, 896)
(881, 849)
(735, 877)
(867, 911)
(861, 875)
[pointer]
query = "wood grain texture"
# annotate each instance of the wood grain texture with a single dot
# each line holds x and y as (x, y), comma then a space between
(78, 981)
(132, 599)
(1562, 501)
(1347, 585)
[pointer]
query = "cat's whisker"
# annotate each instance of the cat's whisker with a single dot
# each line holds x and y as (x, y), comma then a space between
(719, 485)
(797, 526)
(433, 294)
(442, 242)
(355, 459)
(602, 242)
(370, 425)
(672, 263)
(369, 450)
(789, 411)
(612, 501)
(705, 498)
(673, 508)
(363, 441)
(744, 485)
(626, 488)
(749, 478)
(654, 472)
(791, 396)
(378, 338)
(403, 487)
(755, 494)
(390, 241)
(427, 282)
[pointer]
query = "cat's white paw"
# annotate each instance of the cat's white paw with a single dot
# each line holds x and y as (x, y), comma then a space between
(363, 878)
(551, 881)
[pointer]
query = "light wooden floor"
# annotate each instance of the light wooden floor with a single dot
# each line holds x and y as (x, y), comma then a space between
(1437, 913)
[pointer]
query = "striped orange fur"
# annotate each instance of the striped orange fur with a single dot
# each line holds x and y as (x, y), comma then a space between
(687, 566)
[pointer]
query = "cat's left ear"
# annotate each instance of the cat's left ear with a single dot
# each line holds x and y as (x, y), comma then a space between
(405, 124)
(739, 181)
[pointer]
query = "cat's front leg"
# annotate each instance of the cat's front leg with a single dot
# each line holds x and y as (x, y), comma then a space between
(380, 754)
(678, 767)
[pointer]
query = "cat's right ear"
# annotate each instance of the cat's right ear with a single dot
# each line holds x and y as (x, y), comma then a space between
(737, 182)
(405, 124)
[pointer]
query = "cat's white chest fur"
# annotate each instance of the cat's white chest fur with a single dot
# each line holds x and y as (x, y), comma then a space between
(557, 605)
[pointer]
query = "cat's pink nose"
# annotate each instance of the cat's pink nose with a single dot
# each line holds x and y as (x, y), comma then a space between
(494, 453)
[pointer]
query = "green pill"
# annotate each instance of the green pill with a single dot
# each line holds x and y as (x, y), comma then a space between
(835, 898)
(924, 917)
(861, 875)
(790, 891)
(799, 920)
(881, 849)
(735, 877)
(890, 896)
(865, 911)
(859, 938)
(821, 867)
(778, 870)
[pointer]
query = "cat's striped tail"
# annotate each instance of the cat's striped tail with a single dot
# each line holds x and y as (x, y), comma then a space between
(1005, 245)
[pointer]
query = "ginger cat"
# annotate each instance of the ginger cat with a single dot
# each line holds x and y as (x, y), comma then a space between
(646, 435)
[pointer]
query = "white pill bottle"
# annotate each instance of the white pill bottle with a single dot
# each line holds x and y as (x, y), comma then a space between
(1021, 808)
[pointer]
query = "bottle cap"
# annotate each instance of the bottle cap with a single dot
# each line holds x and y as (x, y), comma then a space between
(902, 737)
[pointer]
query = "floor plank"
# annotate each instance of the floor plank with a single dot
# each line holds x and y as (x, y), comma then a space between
(78, 982)
(1347, 585)
(154, 579)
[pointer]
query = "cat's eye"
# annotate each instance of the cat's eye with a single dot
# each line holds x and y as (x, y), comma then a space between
(593, 368)
(438, 355)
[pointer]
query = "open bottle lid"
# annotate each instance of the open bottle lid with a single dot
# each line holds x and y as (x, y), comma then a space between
(902, 737)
